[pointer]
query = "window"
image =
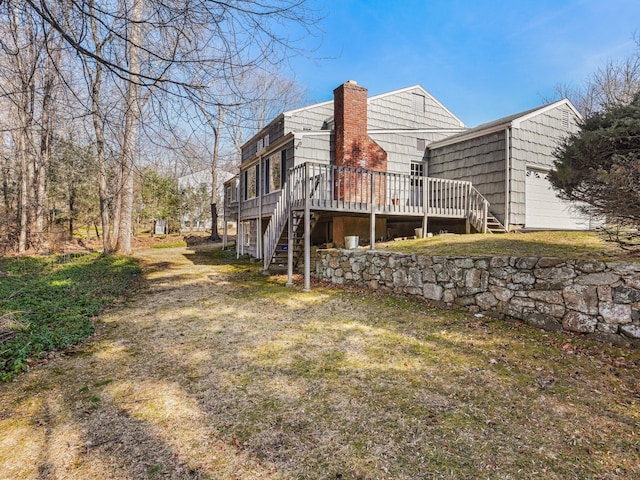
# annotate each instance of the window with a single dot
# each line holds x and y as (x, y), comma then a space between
(267, 168)
(262, 143)
(421, 144)
(234, 191)
(275, 172)
(417, 171)
(246, 233)
(250, 183)
(283, 167)
(257, 179)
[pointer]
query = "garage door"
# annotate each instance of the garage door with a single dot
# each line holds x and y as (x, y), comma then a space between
(545, 210)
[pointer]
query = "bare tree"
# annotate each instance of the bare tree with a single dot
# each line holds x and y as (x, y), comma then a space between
(146, 64)
(610, 86)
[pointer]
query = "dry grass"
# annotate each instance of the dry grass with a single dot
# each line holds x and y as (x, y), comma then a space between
(575, 245)
(217, 372)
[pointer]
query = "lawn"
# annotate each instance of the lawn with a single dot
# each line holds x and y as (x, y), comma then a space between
(572, 245)
(215, 371)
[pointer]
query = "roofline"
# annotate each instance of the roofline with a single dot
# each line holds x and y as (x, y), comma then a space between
(514, 123)
(415, 130)
(419, 87)
(377, 131)
(470, 136)
(267, 151)
(288, 113)
(260, 132)
(383, 95)
(565, 101)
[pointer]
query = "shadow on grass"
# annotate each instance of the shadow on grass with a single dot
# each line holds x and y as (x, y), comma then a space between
(255, 380)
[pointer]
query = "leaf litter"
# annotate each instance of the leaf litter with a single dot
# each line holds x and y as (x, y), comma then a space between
(213, 371)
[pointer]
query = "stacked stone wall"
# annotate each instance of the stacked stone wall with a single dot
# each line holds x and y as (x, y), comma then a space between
(601, 299)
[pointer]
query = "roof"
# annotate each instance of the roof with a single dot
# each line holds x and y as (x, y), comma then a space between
(504, 122)
(378, 97)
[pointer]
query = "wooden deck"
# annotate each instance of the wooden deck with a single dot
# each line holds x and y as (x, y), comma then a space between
(352, 190)
(329, 188)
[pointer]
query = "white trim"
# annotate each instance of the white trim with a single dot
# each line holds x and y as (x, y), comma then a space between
(379, 131)
(422, 89)
(288, 113)
(564, 102)
(381, 96)
(267, 151)
(470, 136)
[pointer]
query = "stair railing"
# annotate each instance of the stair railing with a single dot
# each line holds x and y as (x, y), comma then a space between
(276, 224)
(477, 210)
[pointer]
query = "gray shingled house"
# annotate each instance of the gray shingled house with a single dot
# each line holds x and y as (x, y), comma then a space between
(382, 166)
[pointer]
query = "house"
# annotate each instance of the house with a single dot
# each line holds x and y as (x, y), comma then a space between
(381, 166)
(195, 193)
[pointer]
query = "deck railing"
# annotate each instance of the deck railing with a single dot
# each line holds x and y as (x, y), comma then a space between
(332, 187)
(337, 188)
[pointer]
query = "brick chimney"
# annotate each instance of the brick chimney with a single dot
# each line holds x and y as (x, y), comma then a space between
(353, 146)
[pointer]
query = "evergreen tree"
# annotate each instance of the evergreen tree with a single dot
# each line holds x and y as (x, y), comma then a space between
(600, 167)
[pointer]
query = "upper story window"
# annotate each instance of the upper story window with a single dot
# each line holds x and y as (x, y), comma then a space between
(275, 172)
(250, 183)
(262, 143)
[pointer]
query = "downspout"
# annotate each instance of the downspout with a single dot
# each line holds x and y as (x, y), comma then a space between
(507, 177)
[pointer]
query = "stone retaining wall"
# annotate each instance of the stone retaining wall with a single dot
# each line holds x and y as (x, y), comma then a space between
(597, 298)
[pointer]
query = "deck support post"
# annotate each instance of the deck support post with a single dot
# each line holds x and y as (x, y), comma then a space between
(307, 231)
(238, 222)
(372, 220)
(289, 240)
(484, 219)
(224, 229)
(425, 205)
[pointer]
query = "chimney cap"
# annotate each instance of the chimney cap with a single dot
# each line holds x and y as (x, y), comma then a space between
(351, 82)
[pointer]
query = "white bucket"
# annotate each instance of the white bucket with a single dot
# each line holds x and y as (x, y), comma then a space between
(351, 242)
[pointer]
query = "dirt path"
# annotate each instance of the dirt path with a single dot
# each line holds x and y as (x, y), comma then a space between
(212, 371)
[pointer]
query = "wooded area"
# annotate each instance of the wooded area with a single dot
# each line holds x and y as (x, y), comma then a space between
(106, 103)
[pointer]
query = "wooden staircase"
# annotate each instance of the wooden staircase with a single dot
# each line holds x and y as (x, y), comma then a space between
(280, 257)
(494, 225)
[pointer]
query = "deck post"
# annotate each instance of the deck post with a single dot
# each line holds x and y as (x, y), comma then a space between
(289, 239)
(238, 223)
(372, 220)
(224, 228)
(307, 231)
(484, 219)
(425, 205)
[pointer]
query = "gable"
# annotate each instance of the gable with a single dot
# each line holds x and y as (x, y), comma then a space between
(407, 108)
(411, 107)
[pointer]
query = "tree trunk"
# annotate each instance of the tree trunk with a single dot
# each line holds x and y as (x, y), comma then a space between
(132, 116)
(103, 185)
(46, 135)
(215, 235)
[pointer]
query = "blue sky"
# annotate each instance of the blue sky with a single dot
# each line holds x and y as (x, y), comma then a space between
(482, 59)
